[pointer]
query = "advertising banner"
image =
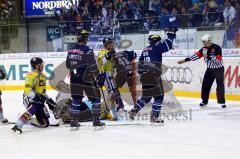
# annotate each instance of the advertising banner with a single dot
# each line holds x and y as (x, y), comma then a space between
(46, 7)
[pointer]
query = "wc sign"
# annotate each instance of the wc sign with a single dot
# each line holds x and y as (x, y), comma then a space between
(53, 32)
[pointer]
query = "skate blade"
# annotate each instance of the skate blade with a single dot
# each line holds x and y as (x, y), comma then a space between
(157, 124)
(74, 128)
(97, 128)
(15, 132)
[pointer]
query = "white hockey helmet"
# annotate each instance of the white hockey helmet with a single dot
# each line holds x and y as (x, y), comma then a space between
(206, 37)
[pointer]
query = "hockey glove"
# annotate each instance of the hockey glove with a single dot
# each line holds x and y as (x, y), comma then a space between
(171, 32)
(109, 55)
(40, 98)
(51, 104)
(131, 55)
(101, 79)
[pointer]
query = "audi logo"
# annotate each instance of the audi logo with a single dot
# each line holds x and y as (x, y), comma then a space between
(179, 75)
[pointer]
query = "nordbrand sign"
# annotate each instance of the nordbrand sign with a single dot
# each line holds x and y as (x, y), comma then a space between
(51, 4)
(42, 7)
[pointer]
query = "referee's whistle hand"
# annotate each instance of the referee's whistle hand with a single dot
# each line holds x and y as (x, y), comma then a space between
(181, 62)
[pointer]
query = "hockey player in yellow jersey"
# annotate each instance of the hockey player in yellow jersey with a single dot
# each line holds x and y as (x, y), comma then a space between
(105, 65)
(34, 98)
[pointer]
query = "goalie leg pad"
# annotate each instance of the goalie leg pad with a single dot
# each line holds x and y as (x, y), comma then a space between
(25, 118)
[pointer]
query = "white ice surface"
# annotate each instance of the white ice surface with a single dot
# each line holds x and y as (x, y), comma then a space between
(213, 133)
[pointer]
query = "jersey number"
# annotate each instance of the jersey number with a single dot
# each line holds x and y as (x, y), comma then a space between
(123, 61)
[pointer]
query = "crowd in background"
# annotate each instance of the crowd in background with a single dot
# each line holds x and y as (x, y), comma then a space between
(6, 9)
(102, 16)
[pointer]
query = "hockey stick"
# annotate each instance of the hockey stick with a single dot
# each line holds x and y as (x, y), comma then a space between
(53, 125)
(104, 98)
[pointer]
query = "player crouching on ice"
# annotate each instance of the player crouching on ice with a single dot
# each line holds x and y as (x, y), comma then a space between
(34, 98)
(149, 68)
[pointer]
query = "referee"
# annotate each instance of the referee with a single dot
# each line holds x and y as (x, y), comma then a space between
(212, 54)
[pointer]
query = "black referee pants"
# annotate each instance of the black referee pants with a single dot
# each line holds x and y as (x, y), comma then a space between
(209, 77)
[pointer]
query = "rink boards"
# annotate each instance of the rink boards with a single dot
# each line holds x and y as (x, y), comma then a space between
(186, 78)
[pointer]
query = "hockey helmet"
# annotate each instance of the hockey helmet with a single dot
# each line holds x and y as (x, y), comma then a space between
(153, 39)
(35, 61)
(206, 37)
(107, 40)
(82, 36)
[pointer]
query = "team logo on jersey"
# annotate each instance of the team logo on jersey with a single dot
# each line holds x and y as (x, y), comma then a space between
(213, 50)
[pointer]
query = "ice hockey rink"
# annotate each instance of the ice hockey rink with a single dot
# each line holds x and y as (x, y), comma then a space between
(211, 132)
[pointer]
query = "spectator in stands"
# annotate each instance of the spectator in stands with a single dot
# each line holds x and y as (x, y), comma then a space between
(6, 9)
(229, 15)
(238, 15)
(119, 4)
(179, 5)
(156, 7)
(97, 8)
(188, 4)
(164, 17)
(148, 22)
(182, 18)
(195, 16)
(211, 7)
(79, 23)
(96, 25)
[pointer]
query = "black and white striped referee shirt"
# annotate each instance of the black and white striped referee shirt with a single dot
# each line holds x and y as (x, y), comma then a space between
(214, 56)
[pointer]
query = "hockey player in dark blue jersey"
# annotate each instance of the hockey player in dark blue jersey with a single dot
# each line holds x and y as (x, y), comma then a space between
(84, 72)
(149, 68)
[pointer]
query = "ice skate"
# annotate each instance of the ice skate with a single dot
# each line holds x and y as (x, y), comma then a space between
(156, 120)
(132, 114)
(16, 129)
(74, 125)
(202, 104)
(223, 105)
(98, 125)
(4, 120)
